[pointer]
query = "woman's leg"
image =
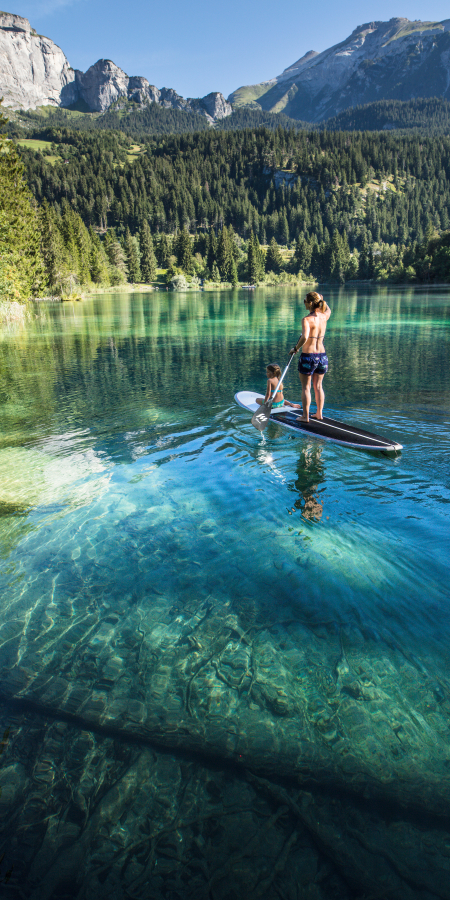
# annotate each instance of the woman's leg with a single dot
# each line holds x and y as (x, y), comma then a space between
(306, 395)
(319, 395)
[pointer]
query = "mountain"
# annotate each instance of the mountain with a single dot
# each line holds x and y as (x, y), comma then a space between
(395, 60)
(35, 72)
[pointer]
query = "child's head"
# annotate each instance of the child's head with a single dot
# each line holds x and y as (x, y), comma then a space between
(273, 370)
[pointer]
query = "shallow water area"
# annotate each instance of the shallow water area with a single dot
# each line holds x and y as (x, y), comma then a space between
(244, 621)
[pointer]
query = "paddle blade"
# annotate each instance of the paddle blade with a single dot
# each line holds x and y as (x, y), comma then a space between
(261, 417)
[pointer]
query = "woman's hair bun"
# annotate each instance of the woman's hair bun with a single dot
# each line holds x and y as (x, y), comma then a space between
(316, 300)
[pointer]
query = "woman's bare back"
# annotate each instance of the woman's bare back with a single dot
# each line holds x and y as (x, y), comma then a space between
(317, 323)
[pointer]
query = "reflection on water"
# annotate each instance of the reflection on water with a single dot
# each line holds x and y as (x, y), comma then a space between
(310, 475)
(181, 594)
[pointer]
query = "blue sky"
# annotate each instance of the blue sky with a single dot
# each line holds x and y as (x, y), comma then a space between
(202, 46)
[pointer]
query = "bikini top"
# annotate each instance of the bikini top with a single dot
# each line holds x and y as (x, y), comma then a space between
(278, 391)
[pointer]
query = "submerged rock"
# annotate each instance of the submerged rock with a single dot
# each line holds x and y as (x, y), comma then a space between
(92, 816)
(357, 716)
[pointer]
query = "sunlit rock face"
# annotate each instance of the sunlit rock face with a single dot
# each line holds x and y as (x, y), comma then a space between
(216, 105)
(102, 85)
(139, 89)
(35, 72)
(397, 60)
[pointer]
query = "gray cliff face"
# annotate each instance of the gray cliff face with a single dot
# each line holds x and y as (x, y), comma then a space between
(216, 106)
(35, 72)
(102, 85)
(397, 60)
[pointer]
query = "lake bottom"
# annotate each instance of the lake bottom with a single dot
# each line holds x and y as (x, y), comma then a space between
(223, 657)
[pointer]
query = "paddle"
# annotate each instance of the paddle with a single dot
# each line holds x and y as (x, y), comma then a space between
(262, 415)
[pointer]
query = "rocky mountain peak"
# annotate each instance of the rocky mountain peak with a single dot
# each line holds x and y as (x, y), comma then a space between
(10, 22)
(399, 60)
(35, 72)
(102, 85)
(300, 62)
(216, 106)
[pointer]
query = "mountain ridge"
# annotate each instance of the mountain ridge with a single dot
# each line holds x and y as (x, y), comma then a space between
(395, 60)
(35, 72)
(398, 59)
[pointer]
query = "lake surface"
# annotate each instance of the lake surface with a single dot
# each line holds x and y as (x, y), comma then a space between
(224, 654)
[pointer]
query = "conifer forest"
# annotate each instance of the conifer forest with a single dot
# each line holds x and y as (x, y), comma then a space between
(249, 205)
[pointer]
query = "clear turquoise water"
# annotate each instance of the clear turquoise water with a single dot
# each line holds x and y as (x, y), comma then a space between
(170, 573)
(118, 424)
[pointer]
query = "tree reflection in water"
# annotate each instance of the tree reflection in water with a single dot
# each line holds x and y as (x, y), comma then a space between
(310, 475)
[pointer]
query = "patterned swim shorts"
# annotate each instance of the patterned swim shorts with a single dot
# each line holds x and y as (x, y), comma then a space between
(313, 362)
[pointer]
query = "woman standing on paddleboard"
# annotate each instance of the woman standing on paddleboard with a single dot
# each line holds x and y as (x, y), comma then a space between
(313, 362)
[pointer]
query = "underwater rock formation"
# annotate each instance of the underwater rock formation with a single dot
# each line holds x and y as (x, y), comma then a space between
(90, 816)
(310, 700)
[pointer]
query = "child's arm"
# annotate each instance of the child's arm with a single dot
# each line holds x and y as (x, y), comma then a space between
(268, 391)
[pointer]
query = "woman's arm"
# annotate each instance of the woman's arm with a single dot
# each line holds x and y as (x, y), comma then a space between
(304, 337)
(268, 391)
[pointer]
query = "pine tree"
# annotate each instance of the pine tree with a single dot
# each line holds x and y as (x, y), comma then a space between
(99, 270)
(283, 229)
(315, 258)
(211, 253)
(302, 256)
(254, 267)
(118, 272)
(83, 242)
(148, 259)
(224, 255)
(52, 247)
(274, 259)
(22, 269)
(365, 259)
(370, 263)
(132, 258)
(233, 273)
(337, 259)
(183, 250)
(252, 261)
(215, 274)
(164, 251)
(233, 243)
(345, 251)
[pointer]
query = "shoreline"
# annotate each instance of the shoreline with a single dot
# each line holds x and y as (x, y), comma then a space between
(15, 311)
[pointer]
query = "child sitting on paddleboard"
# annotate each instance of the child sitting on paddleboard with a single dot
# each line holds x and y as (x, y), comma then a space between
(273, 373)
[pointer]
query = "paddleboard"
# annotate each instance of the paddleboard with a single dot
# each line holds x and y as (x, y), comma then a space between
(326, 430)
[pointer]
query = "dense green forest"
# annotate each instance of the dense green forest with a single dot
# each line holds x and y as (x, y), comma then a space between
(341, 205)
(141, 121)
(387, 187)
(22, 270)
(368, 187)
(125, 116)
(431, 113)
